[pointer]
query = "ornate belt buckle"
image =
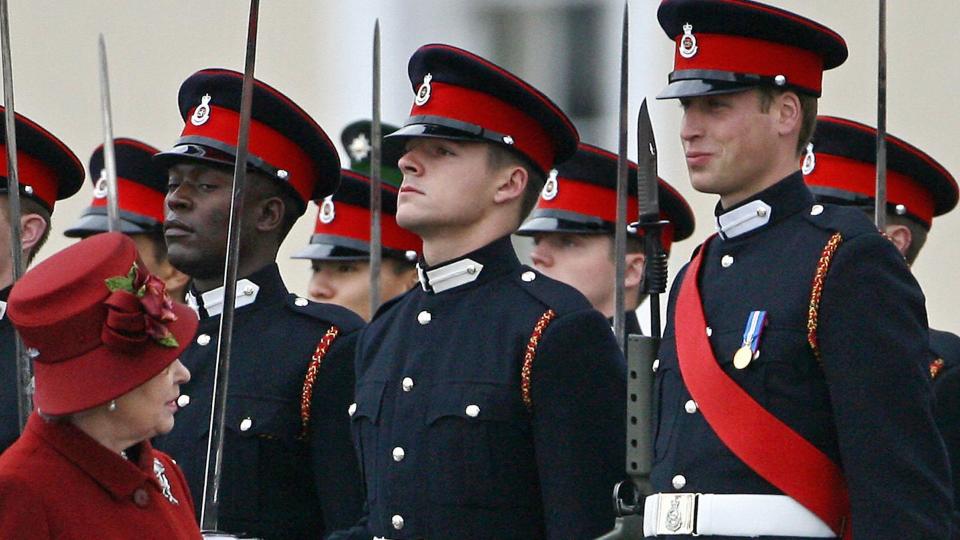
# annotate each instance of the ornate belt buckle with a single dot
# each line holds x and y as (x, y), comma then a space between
(677, 514)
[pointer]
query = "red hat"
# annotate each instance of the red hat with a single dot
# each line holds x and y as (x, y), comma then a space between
(342, 229)
(141, 187)
(580, 197)
(840, 167)
(284, 143)
(460, 95)
(726, 46)
(93, 339)
(48, 170)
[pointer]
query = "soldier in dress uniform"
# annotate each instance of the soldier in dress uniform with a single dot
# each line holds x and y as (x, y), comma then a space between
(141, 187)
(490, 398)
(339, 249)
(48, 172)
(840, 168)
(574, 224)
(289, 470)
(791, 388)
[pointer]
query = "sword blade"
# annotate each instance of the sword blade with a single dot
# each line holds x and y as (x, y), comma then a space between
(620, 235)
(648, 193)
(209, 513)
(109, 153)
(880, 208)
(375, 153)
(24, 374)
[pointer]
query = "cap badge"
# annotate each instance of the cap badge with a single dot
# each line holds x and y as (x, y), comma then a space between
(688, 42)
(551, 186)
(423, 93)
(100, 188)
(809, 160)
(327, 211)
(202, 113)
(360, 147)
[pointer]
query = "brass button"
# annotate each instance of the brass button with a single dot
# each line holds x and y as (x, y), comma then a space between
(407, 384)
(398, 454)
(424, 317)
(246, 424)
(473, 411)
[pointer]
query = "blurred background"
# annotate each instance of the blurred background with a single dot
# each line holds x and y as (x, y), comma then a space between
(319, 54)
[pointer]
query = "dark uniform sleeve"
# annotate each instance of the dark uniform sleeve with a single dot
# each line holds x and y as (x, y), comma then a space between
(579, 408)
(946, 388)
(335, 468)
(873, 339)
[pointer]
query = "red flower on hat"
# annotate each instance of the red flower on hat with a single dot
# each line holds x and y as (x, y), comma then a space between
(138, 308)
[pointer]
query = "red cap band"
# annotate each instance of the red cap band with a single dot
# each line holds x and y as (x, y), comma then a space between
(858, 177)
(137, 198)
(738, 54)
(595, 201)
(34, 173)
(484, 110)
(354, 222)
(264, 142)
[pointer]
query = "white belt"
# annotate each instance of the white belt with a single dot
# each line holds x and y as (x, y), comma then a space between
(730, 515)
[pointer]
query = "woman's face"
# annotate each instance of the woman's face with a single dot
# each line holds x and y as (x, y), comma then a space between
(147, 410)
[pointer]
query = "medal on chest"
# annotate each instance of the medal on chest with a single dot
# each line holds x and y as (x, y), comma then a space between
(750, 345)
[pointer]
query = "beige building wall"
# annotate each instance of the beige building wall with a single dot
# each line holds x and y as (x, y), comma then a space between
(318, 53)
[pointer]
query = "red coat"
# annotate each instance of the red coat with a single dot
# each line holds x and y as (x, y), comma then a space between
(58, 483)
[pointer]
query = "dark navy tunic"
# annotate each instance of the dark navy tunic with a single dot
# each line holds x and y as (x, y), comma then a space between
(448, 447)
(946, 388)
(9, 415)
(275, 483)
(866, 403)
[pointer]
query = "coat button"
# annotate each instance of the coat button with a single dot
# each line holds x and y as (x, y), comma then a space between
(679, 481)
(183, 400)
(397, 522)
(528, 276)
(301, 301)
(656, 365)
(246, 424)
(473, 411)
(690, 406)
(352, 409)
(248, 290)
(424, 317)
(726, 261)
(203, 340)
(472, 269)
(709, 331)
(407, 384)
(816, 210)
(398, 454)
(141, 498)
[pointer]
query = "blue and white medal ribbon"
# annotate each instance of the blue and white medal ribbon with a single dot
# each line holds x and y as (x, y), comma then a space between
(750, 346)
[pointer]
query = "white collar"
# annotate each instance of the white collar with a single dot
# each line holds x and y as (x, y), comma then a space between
(449, 276)
(213, 299)
(743, 219)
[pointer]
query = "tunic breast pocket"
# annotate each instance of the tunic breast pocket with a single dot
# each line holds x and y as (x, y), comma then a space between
(364, 419)
(479, 447)
(265, 462)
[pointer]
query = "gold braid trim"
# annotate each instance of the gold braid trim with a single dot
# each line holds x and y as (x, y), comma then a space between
(813, 311)
(312, 370)
(527, 369)
(935, 368)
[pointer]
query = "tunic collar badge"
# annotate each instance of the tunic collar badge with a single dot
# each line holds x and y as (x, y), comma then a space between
(743, 219)
(212, 301)
(449, 276)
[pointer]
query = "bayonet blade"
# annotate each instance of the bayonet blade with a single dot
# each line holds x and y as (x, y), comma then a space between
(620, 235)
(375, 153)
(648, 193)
(880, 208)
(109, 154)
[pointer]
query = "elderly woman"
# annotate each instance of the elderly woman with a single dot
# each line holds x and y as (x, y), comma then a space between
(105, 340)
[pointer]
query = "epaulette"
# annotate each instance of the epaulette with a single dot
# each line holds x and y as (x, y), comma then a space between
(850, 222)
(946, 346)
(559, 297)
(341, 317)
